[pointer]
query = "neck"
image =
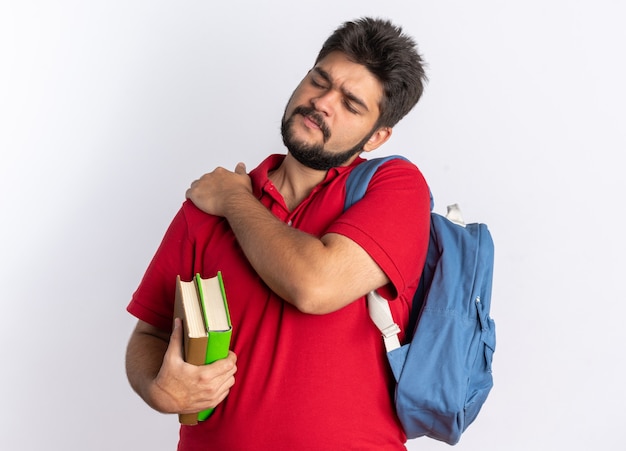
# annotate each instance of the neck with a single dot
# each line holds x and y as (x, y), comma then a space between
(294, 181)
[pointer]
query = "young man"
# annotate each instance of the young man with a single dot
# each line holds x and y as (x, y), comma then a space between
(311, 367)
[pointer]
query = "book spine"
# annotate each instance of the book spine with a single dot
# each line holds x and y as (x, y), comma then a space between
(188, 419)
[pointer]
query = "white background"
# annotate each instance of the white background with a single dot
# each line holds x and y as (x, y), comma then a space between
(108, 110)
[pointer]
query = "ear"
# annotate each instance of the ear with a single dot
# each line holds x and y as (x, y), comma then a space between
(378, 138)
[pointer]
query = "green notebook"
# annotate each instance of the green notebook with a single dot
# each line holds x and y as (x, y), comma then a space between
(217, 322)
(203, 308)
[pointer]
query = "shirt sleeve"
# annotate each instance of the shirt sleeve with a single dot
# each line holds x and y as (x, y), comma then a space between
(153, 301)
(392, 223)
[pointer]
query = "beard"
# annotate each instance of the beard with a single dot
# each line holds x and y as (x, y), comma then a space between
(313, 155)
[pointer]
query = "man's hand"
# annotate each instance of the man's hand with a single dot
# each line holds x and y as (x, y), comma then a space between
(178, 387)
(213, 191)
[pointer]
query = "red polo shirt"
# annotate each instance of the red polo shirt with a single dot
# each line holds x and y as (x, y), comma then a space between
(318, 382)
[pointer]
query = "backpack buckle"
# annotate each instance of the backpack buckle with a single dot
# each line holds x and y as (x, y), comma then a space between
(391, 330)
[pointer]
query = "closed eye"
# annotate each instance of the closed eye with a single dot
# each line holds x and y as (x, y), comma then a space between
(322, 80)
(317, 83)
(350, 107)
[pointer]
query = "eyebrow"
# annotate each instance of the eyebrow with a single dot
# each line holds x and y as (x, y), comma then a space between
(352, 97)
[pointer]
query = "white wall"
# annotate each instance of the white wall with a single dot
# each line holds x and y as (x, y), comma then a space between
(108, 110)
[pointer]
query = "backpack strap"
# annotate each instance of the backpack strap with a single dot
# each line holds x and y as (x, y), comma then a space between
(380, 313)
(360, 177)
(378, 307)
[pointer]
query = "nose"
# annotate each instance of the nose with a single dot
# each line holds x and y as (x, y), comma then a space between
(326, 102)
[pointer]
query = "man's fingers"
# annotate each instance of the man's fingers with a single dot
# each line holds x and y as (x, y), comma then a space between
(222, 369)
(176, 339)
(230, 363)
(221, 372)
(191, 187)
(240, 168)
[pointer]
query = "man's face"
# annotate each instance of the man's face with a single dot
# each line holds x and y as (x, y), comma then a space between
(331, 115)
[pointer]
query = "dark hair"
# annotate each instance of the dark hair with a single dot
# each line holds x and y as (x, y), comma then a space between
(390, 55)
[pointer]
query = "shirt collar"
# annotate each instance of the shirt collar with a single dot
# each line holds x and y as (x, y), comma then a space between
(260, 179)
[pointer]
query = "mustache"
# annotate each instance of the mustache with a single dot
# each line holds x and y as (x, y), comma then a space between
(315, 117)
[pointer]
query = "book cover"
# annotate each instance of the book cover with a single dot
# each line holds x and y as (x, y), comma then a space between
(203, 307)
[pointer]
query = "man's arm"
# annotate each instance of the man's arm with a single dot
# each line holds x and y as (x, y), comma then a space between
(157, 372)
(317, 275)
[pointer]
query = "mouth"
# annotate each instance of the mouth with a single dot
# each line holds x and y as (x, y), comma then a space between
(314, 121)
(311, 121)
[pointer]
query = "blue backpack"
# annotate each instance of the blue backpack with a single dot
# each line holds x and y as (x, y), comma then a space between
(443, 372)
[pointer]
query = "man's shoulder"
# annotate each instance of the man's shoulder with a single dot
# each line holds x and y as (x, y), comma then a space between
(391, 169)
(390, 161)
(195, 218)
